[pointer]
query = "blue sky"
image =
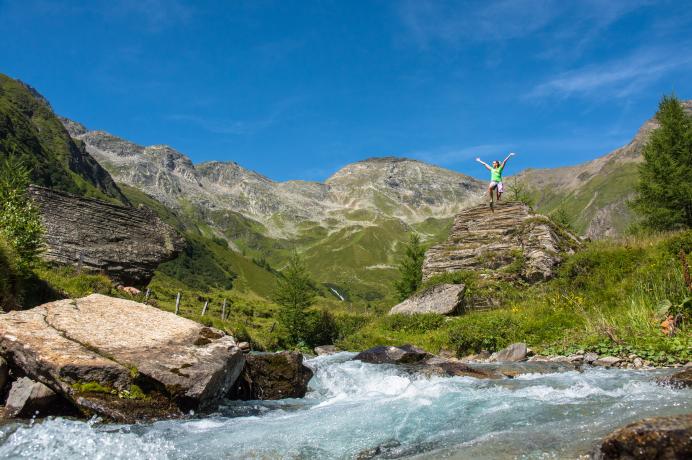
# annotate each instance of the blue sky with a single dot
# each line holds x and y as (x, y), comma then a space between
(298, 89)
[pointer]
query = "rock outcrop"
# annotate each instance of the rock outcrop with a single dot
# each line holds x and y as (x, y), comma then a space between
(664, 438)
(124, 242)
(30, 399)
(120, 359)
(445, 299)
(272, 376)
(511, 242)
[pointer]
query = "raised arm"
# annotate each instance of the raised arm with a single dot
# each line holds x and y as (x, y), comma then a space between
(511, 154)
(483, 163)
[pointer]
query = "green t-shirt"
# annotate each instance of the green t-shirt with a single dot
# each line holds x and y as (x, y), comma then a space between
(496, 174)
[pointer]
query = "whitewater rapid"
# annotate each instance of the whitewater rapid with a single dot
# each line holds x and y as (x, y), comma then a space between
(353, 407)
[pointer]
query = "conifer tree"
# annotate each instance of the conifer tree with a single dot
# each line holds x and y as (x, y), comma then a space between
(295, 293)
(664, 192)
(410, 268)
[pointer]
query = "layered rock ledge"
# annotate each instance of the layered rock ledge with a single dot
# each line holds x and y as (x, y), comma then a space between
(120, 359)
(511, 240)
(126, 243)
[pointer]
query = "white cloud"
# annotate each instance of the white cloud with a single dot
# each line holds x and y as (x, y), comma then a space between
(619, 77)
(453, 156)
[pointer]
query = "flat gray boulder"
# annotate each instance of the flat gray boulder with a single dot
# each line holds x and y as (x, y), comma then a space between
(120, 359)
(445, 299)
(514, 352)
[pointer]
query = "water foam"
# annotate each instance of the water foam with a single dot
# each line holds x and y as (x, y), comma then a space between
(353, 406)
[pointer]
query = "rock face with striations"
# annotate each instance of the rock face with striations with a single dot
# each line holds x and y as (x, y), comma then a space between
(511, 242)
(126, 243)
(120, 359)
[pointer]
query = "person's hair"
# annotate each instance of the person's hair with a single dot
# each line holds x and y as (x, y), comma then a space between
(496, 161)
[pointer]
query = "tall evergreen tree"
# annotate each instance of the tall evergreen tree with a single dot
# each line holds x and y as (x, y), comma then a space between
(664, 192)
(295, 293)
(410, 268)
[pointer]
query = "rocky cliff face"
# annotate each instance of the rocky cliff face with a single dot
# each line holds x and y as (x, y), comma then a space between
(126, 243)
(510, 242)
(394, 187)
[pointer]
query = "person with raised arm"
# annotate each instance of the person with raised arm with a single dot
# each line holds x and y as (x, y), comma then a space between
(495, 177)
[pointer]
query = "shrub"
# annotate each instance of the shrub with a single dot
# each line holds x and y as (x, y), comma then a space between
(413, 323)
(20, 220)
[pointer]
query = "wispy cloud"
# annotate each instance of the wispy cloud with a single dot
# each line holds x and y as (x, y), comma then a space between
(236, 126)
(619, 77)
(448, 156)
(456, 23)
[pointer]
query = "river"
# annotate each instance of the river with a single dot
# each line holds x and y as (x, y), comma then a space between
(353, 407)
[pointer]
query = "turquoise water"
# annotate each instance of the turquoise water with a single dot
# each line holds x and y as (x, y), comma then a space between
(353, 406)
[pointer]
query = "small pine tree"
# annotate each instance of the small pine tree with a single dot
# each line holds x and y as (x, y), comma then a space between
(295, 293)
(664, 192)
(561, 217)
(519, 191)
(20, 220)
(410, 268)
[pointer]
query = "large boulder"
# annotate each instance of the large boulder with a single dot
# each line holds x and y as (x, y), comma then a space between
(121, 359)
(125, 242)
(272, 376)
(663, 438)
(511, 242)
(445, 299)
(405, 354)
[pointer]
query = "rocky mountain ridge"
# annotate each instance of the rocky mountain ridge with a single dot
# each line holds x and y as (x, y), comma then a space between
(406, 189)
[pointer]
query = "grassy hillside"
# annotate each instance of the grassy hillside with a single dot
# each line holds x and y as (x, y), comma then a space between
(607, 192)
(30, 130)
(607, 298)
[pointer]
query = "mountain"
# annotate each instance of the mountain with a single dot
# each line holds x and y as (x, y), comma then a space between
(30, 131)
(350, 228)
(395, 187)
(594, 193)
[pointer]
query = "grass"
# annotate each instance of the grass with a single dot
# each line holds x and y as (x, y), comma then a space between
(606, 298)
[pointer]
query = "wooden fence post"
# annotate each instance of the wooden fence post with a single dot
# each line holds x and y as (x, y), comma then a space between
(223, 310)
(204, 308)
(146, 295)
(177, 304)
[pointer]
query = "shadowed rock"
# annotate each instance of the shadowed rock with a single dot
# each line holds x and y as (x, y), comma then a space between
(28, 398)
(662, 438)
(272, 376)
(126, 243)
(682, 379)
(445, 299)
(121, 359)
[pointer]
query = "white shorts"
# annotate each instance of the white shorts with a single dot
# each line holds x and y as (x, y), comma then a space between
(500, 187)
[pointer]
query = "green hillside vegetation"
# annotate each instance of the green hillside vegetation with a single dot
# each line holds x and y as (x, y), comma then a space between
(609, 298)
(615, 184)
(30, 131)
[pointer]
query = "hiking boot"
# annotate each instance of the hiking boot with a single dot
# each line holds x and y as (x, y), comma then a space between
(490, 203)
